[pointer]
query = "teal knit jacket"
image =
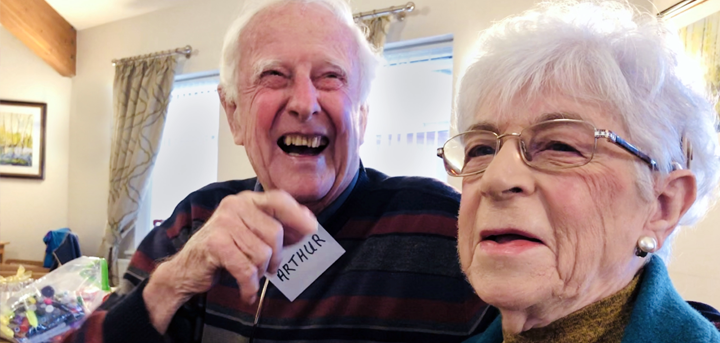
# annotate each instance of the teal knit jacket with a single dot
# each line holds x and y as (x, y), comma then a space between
(659, 315)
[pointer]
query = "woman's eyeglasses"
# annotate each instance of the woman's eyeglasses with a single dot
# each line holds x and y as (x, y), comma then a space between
(549, 145)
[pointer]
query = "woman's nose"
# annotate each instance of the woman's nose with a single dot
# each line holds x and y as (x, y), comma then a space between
(507, 175)
(303, 101)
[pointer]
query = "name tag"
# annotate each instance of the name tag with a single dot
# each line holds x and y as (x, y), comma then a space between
(304, 261)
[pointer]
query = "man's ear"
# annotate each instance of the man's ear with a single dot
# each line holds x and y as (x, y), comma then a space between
(674, 196)
(362, 121)
(229, 106)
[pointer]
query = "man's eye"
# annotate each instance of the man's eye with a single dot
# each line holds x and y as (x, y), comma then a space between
(330, 81)
(271, 73)
(273, 79)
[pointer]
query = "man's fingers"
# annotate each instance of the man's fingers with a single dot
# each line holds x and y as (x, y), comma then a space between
(296, 219)
(245, 272)
(268, 231)
(258, 225)
(258, 251)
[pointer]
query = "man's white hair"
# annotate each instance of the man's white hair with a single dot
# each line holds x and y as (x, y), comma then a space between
(367, 55)
(609, 53)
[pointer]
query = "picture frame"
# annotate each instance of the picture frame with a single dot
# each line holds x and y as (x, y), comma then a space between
(22, 139)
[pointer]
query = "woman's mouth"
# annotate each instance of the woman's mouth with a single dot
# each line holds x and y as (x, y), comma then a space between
(506, 238)
(507, 242)
(303, 145)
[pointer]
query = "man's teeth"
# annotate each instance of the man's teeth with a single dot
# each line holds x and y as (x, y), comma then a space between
(312, 142)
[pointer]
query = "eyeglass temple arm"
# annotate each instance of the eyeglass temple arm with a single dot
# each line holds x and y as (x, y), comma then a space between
(612, 137)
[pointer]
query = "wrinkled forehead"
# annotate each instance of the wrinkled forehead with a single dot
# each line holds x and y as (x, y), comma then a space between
(524, 110)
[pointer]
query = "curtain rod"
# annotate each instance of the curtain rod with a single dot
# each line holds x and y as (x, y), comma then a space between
(186, 50)
(401, 11)
(679, 7)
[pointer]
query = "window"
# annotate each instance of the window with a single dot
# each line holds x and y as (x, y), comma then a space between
(188, 156)
(410, 106)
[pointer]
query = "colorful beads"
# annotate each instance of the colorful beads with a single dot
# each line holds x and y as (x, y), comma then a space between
(32, 315)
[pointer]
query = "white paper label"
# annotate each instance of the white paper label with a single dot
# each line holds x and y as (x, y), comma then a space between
(304, 261)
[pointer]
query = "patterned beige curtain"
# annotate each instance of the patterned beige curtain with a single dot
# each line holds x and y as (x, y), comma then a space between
(702, 43)
(141, 94)
(377, 29)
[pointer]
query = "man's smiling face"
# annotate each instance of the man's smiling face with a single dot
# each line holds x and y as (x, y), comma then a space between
(297, 110)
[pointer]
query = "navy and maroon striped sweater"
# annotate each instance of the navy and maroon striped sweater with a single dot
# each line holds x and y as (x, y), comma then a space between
(399, 280)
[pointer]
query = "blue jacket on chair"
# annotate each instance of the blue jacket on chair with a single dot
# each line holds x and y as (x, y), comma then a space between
(52, 240)
(62, 246)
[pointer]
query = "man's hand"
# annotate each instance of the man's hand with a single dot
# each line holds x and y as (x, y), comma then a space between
(244, 236)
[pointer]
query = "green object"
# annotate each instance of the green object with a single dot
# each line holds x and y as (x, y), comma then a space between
(104, 269)
(32, 318)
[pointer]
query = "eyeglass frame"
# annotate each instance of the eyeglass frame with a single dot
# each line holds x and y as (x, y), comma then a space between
(599, 133)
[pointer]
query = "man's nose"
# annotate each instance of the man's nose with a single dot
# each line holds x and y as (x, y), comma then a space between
(507, 175)
(303, 101)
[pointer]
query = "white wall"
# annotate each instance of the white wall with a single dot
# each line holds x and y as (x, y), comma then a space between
(694, 268)
(30, 208)
(202, 25)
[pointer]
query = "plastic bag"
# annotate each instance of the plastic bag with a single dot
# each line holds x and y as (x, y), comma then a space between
(52, 305)
(14, 283)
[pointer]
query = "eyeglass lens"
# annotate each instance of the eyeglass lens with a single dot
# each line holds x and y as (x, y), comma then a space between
(548, 145)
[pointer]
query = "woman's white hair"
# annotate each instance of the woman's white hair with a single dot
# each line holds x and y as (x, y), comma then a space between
(610, 53)
(367, 55)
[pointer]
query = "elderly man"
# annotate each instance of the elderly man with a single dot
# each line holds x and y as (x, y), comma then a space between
(295, 77)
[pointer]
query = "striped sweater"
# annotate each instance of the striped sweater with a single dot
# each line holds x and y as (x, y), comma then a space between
(398, 281)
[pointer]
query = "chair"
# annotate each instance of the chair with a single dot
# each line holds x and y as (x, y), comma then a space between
(2, 251)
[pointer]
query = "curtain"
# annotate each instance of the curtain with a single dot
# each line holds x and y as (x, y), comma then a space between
(377, 29)
(141, 93)
(702, 43)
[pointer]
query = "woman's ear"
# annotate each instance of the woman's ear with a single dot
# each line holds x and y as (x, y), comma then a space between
(229, 106)
(675, 193)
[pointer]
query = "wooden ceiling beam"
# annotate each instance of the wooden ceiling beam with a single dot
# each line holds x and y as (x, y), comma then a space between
(43, 30)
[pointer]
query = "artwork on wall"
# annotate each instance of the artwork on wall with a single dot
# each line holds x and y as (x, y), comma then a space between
(702, 43)
(22, 139)
(698, 22)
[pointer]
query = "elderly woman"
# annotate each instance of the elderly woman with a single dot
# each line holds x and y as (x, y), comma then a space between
(583, 147)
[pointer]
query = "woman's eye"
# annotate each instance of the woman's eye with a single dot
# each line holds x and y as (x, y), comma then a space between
(559, 146)
(480, 151)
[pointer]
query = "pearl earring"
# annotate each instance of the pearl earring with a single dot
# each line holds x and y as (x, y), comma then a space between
(645, 245)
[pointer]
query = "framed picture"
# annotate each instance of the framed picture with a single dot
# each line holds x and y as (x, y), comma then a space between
(22, 139)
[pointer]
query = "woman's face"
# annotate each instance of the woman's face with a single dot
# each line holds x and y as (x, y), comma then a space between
(549, 243)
